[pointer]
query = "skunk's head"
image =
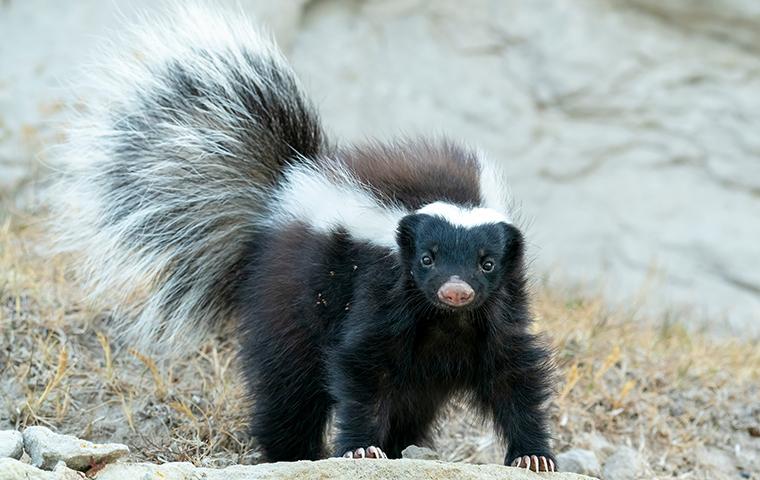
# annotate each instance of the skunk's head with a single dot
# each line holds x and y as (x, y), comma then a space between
(457, 257)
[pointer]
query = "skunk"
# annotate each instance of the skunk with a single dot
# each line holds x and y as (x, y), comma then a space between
(374, 281)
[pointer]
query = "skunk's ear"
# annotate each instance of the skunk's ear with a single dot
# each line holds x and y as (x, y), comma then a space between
(513, 243)
(406, 232)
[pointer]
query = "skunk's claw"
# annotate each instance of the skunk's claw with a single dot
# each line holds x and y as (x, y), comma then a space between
(536, 463)
(369, 452)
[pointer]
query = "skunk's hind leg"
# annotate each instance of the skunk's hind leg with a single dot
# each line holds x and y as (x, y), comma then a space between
(289, 425)
(290, 403)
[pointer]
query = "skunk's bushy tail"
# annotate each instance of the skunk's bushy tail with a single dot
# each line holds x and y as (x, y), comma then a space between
(171, 163)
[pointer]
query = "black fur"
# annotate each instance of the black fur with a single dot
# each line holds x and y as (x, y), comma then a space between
(329, 323)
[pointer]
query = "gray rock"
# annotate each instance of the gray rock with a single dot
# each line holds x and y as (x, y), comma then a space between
(419, 453)
(47, 448)
(63, 472)
(625, 464)
(11, 444)
(334, 469)
(579, 460)
(12, 469)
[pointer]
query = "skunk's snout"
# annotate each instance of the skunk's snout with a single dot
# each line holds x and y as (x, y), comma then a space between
(456, 292)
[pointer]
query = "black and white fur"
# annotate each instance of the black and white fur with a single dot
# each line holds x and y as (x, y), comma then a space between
(374, 280)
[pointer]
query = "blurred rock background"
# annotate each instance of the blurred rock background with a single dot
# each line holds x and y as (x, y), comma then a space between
(630, 129)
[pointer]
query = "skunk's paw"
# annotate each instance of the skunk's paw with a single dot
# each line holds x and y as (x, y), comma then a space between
(535, 463)
(370, 452)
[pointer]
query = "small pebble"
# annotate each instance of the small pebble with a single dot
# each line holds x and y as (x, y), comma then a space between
(11, 444)
(414, 452)
(46, 448)
(580, 461)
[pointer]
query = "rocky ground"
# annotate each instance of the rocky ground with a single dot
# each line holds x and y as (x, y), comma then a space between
(63, 457)
(334, 469)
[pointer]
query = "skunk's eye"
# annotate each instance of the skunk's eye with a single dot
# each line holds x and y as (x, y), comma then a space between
(426, 260)
(487, 265)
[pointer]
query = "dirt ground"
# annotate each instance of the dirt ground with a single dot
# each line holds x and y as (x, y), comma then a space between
(687, 401)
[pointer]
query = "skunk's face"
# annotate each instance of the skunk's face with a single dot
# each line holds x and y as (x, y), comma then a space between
(455, 266)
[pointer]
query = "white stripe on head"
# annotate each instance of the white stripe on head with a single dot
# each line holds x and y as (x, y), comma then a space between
(462, 216)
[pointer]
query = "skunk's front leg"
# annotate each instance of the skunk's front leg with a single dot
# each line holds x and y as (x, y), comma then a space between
(354, 380)
(388, 423)
(517, 396)
(358, 430)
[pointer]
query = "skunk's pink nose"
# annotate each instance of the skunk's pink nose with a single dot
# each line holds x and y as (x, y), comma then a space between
(456, 292)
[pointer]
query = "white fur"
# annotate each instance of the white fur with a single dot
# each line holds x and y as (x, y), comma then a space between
(462, 216)
(493, 187)
(207, 192)
(329, 199)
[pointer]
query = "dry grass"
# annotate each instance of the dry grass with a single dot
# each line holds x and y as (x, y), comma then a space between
(685, 400)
